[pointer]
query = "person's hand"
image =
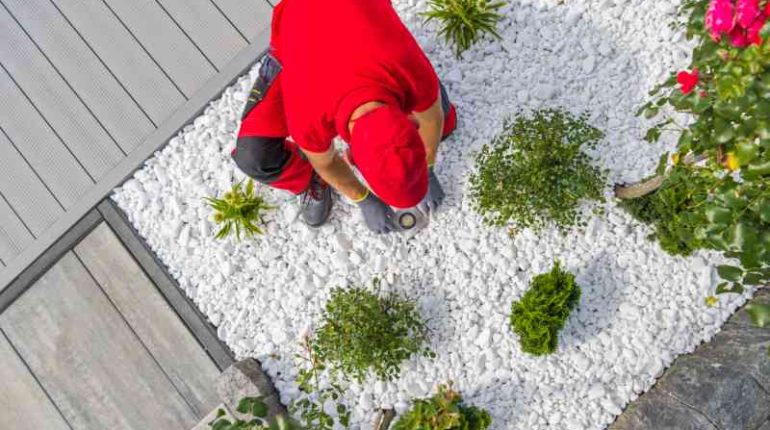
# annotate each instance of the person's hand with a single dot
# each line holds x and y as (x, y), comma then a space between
(435, 195)
(377, 215)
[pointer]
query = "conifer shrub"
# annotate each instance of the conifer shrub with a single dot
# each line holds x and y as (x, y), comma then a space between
(536, 173)
(364, 331)
(444, 411)
(541, 313)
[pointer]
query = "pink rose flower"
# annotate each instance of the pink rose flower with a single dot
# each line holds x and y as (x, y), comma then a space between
(688, 80)
(719, 18)
(747, 11)
(753, 31)
(738, 38)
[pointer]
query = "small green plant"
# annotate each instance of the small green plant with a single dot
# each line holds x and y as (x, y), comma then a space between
(541, 313)
(239, 211)
(464, 22)
(364, 331)
(310, 406)
(759, 314)
(670, 210)
(444, 411)
(535, 172)
(257, 409)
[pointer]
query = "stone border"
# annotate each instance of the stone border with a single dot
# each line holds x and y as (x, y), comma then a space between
(723, 385)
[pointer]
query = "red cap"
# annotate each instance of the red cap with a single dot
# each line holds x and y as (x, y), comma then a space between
(390, 154)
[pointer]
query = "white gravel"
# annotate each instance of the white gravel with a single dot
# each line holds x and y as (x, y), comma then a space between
(640, 307)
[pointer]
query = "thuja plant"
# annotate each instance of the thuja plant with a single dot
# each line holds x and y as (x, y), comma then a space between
(240, 211)
(310, 406)
(462, 23)
(536, 172)
(726, 93)
(541, 313)
(364, 331)
(256, 408)
(444, 411)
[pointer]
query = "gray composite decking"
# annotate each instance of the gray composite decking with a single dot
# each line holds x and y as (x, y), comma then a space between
(93, 344)
(91, 88)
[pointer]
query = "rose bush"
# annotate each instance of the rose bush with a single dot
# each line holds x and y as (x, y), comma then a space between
(726, 92)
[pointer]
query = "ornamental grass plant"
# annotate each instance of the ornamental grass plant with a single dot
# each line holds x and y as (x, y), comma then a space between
(541, 313)
(462, 23)
(535, 172)
(444, 411)
(240, 211)
(367, 332)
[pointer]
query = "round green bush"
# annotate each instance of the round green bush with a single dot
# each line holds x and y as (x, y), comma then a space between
(363, 331)
(535, 172)
(541, 313)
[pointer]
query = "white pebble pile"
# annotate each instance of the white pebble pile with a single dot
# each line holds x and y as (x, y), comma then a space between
(640, 307)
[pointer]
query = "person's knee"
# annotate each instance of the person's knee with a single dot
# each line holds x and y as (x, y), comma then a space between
(261, 158)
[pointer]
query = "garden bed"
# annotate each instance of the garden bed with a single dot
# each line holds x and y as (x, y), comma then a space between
(639, 308)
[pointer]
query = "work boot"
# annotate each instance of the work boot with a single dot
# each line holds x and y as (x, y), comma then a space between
(316, 202)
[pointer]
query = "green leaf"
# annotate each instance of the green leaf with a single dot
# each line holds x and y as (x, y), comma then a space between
(764, 211)
(702, 104)
(763, 108)
(653, 135)
(259, 410)
(757, 169)
(730, 273)
(651, 112)
(718, 215)
(746, 152)
(723, 288)
(726, 288)
(723, 131)
(753, 279)
(759, 314)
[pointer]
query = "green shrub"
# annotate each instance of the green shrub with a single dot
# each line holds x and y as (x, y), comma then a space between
(725, 91)
(541, 313)
(672, 210)
(363, 331)
(310, 406)
(535, 172)
(443, 411)
(239, 211)
(257, 409)
(464, 22)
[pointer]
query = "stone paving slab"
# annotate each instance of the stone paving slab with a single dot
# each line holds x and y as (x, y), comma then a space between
(723, 385)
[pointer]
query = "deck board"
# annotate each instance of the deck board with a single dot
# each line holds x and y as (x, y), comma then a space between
(84, 71)
(184, 361)
(34, 138)
(22, 400)
(133, 66)
(249, 16)
(166, 42)
(24, 191)
(52, 96)
(208, 28)
(14, 236)
(126, 57)
(87, 358)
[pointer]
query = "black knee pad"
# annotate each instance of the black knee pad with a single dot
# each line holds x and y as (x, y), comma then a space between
(445, 103)
(261, 158)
